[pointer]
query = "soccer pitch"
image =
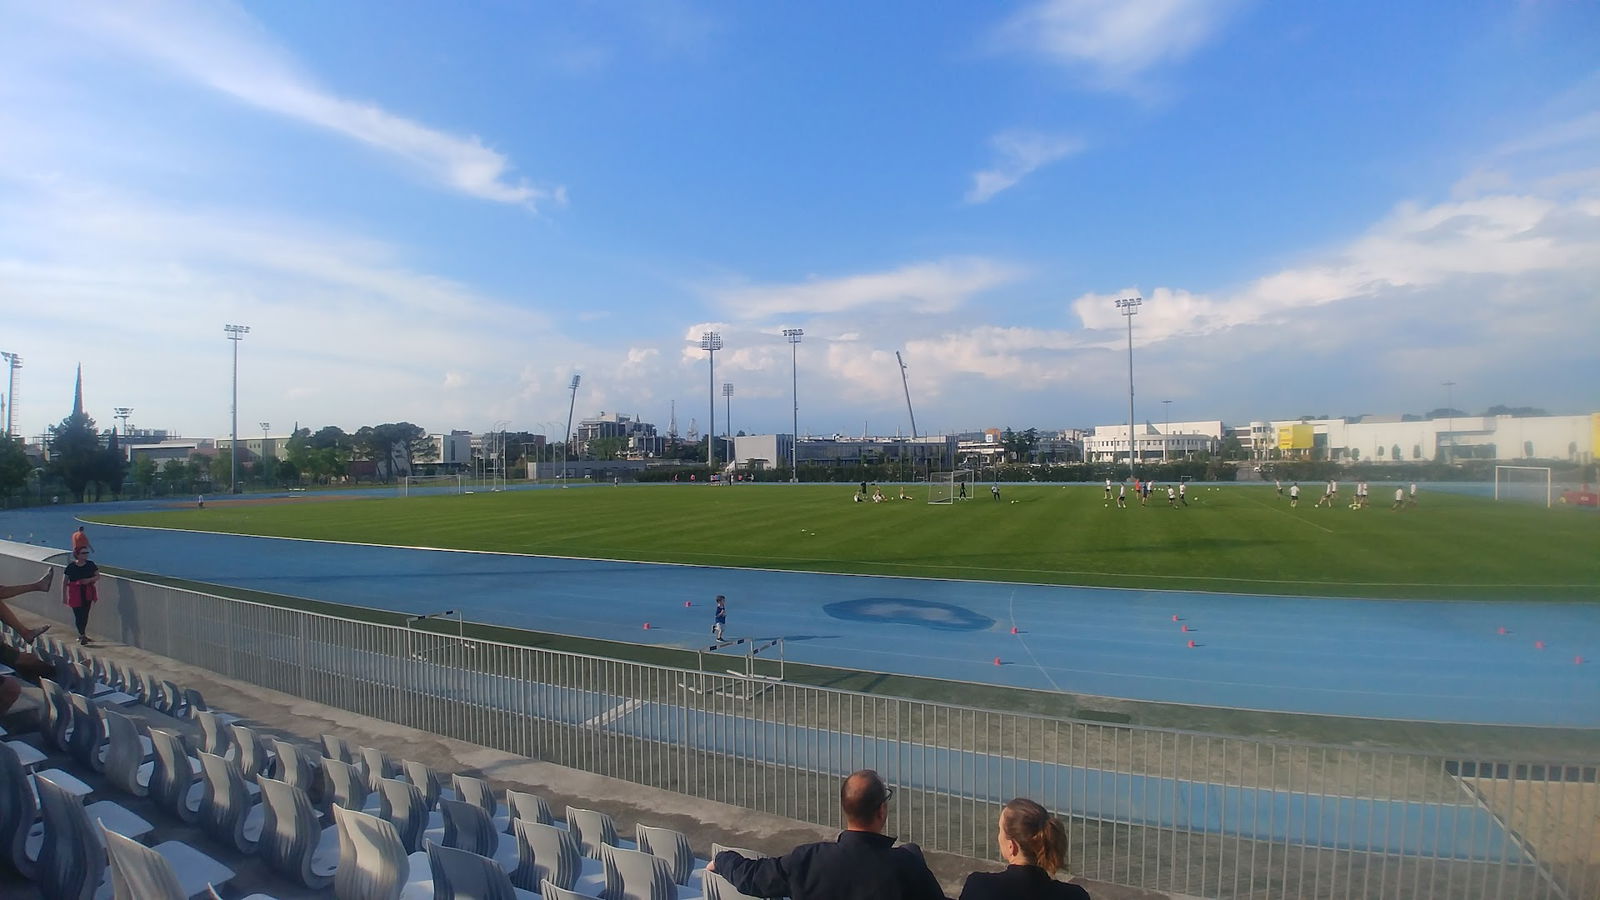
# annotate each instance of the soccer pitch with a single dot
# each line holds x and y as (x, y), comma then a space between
(1239, 539)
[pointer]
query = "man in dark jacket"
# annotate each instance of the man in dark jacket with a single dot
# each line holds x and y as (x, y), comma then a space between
(863, 862)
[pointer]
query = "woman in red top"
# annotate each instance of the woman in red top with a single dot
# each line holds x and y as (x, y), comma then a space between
(79, 590)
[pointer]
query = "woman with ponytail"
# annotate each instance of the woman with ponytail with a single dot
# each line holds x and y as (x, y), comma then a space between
(1034, 845)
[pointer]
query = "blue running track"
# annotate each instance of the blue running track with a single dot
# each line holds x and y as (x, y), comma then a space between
(1442, 661)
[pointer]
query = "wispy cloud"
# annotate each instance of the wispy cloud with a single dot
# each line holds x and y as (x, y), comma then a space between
(341, 325)
(1111, 43)
(1019, 154)
(1487, 240)
(222, 48)
(930, 287)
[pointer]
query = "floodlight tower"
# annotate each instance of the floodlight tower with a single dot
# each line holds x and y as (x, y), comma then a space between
(236, 334)
(711, 342)
(13, 363)
(566, 437)
(1166, 438)
(1450, 410)
(1130, 308)
(727, 411)
(906, 387)
(794, 335)
(122, 413)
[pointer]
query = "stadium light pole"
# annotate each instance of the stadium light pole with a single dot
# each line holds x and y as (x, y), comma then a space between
(236, 334)
(794, 335)
(1167, 436)
(1130, 308)
(727, 419)
(12, 362)
(1450, 410)
(711, 342)
(566, 436)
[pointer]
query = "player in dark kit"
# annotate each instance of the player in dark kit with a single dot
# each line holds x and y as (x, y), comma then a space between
(722, 617)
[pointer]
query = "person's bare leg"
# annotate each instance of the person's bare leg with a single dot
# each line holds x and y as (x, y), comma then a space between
(16, 590)
(7, 591)
(10, 690)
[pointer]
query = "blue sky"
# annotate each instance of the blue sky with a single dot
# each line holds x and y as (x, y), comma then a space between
(440, 212)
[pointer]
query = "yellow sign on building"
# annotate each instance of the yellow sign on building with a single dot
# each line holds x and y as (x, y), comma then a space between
(1296, 437)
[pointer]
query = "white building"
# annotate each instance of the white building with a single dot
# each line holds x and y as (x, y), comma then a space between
(763, 451)
(453, 450)
(607, 426)
(1154, 443)
(1392, 439)
(772, 451)
(170, 448)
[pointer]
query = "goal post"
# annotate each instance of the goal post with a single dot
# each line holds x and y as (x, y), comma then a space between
(948, 487)
(1524, 483)
(429, 484)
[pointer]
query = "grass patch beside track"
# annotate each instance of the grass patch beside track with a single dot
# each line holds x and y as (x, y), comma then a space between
(1239, 539)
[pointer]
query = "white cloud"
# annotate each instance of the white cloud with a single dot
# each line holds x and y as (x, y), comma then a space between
(1495, 236)
(931, 287)
(1018, 155)
(340, 325)
(1490, 289)
(1111, 43)
(221, 47)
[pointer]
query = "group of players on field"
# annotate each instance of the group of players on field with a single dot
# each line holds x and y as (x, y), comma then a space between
(1330, 495)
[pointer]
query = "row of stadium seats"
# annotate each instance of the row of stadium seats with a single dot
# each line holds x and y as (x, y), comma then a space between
(352, 822)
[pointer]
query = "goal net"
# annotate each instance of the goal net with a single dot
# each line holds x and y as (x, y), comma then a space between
(429, 484)
(1528, 484)
(948, 487)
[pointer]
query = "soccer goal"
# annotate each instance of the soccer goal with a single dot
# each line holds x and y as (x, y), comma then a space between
(948, 487)
(1529, 484)
(429, 484)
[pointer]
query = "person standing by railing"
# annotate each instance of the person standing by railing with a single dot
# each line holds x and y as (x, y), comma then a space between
(1034, 845)
(79, 590)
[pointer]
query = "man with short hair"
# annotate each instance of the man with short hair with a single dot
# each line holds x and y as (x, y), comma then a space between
(862, 863)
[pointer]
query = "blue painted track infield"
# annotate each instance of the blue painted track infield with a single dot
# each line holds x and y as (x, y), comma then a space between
(1439, 661)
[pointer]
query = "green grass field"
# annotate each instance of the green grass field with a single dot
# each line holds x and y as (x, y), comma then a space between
(1235, 538)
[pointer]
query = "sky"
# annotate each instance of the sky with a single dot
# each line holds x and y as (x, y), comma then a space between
(439, 213)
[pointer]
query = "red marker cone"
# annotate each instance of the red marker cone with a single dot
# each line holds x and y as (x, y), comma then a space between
(1577, 660)
(1185, 628)
(1013, 629)
(688, 603)
(1191, 643)
(647, 626)
(1538, 645)
(997, 660)
(1174, 618)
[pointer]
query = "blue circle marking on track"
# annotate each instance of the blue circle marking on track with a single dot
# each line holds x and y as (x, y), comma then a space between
(909, 611)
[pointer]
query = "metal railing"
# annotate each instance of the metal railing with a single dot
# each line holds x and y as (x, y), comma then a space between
(1190, 813)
